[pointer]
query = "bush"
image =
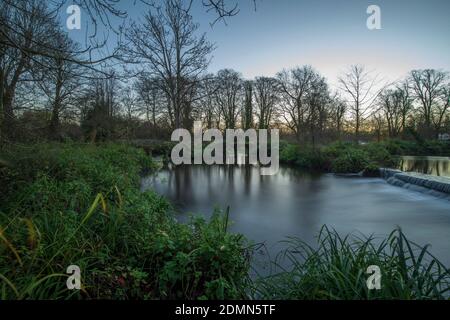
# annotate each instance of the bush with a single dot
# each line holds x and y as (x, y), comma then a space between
(336, 149)
(201, 261)
(346, 157)
(304, 157)
(371, 170)
(339, 157)
(351, 161)
(379, 155)
(417, 148)
(289, 153)
(81, 205)
(437, 148)
(401, 147)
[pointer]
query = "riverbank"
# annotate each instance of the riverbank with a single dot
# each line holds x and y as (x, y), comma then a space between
(81, 205)
(338, 157)
(347, 157)
(75, 204)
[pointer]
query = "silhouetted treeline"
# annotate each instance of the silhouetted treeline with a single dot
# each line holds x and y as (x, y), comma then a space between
(157, 80)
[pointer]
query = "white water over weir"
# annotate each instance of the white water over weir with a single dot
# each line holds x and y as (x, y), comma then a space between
(425, 183)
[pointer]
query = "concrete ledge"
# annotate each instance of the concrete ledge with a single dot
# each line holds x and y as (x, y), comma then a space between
(433, 185)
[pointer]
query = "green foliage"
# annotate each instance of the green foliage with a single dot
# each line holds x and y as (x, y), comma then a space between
(302, 156)
(401, 147)
(200, 262)
(379, 155)
(81, 204)
(344, 157)
(371, 170)
(339, 157)
(336, 269)
(350, 161)
(417, 148)
(289, 153)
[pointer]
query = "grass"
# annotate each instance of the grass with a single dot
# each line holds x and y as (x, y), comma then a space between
(81, 205)
(336, 269)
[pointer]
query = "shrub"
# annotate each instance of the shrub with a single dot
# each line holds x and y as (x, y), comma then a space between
(402, 147)
(379, 155)
(338, 148)
(350, 161)
(289, 153)
(81, 205)
(200, 261)
(371, 170)
(340, 157)
(304, 157)
(437, 148)
(343, 156)
(417, 148)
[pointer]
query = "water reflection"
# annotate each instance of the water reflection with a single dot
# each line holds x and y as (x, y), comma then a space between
(292, 203)
(438, 166)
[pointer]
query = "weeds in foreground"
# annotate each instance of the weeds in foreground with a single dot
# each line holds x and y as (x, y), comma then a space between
(81, 205)
(336, 269)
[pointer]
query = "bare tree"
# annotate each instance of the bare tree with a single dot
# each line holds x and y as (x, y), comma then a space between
(60, 80)
(446, 103)
(100, 105)
(30, 27)
(166, 45)
(377, 124)
(100, 13)
(152, 96)
(317, 101)
(130, 109)
(228, 96)
(295, 85)
(391, 107)
(221, 9)
(266, 97)
(338, 108)
(247, 112)
(207, 108)
(428, 86)
(406, 102)
(395, 104)
(359, 86)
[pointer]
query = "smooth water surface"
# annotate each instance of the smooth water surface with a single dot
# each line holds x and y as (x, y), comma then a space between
(437, 166)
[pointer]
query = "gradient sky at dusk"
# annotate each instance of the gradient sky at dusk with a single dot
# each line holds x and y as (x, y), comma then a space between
(328, 34)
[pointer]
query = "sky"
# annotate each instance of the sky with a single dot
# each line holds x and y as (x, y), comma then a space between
(330, 35)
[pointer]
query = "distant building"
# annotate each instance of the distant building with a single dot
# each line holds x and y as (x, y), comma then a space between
(443, 137)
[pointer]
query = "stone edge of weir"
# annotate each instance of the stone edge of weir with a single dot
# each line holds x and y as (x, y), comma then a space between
(425, 183)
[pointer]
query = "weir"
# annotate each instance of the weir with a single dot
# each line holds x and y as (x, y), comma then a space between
(425, 183)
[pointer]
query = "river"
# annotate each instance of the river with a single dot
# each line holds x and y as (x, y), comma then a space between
(267, 209)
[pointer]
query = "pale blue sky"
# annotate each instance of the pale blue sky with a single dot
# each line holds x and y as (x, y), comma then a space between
(328, 34)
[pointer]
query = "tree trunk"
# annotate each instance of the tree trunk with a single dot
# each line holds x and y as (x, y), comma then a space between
(54, 121)
(8, 122)
(93, 135)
